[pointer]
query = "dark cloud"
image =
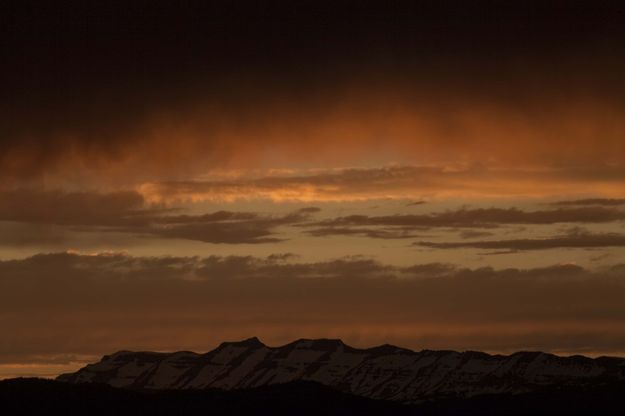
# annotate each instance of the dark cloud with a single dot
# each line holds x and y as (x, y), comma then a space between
(482, 218)
(69, 304)
(99, 87)
(218, 216)
(225, 227)
(250, 231)
(221, 233)
(130, 212)
(44, 216)
(310, 210)
(384, 233)
(609, 202)
(474, 234)
(574, 239)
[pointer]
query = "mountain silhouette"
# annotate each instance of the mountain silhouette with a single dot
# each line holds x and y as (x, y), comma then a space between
(384, 373)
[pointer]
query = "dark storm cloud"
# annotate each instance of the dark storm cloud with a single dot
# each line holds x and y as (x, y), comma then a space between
(85, 86)
(482, 218)
(609, 202)
(212, 217)
(129, 212)
(573, 239)
(226, 227)
(385, 233)
(221, 233)
(310, 210)
(30, 217)
(474, 234)
(73, 304)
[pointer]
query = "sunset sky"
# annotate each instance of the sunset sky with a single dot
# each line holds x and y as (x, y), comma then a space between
(436, 175)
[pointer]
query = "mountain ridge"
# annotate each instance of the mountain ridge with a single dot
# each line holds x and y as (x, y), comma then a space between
(384, 372)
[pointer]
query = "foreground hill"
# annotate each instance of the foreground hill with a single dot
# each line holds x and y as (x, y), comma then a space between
(38, 396)
(385, 372)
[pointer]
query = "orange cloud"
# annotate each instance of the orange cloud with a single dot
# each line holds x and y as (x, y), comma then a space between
(395, 182)
(357, 125)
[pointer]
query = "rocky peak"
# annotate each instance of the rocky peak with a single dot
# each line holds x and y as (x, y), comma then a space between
(252, 342)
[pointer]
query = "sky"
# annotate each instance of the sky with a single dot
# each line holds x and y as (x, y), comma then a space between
(436, 175)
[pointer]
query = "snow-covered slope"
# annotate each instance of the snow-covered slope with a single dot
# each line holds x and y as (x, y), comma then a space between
(384, 372)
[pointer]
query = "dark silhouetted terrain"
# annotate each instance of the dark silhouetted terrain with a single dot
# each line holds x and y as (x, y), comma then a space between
(39, 396)
(384, 373)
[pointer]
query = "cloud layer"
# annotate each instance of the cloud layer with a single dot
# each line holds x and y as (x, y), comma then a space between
(43, 214)
(572, 240)
(398, 182)
(54, 304)
(484, 218)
